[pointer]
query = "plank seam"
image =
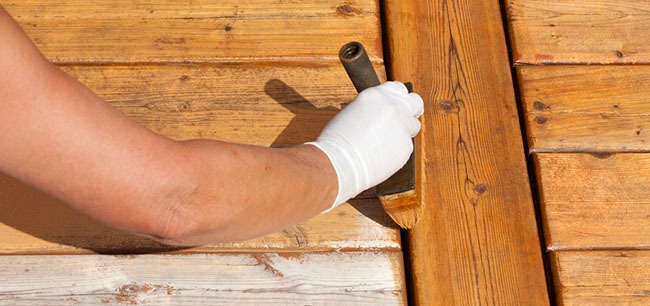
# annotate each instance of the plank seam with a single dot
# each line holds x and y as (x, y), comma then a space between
(307, 61)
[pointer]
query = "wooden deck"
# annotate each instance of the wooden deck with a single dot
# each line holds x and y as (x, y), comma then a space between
(266, 72)
(584, 85)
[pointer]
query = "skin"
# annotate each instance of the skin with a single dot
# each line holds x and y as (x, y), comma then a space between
(58, 136)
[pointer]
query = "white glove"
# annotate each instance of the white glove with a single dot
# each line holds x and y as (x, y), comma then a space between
(370, 139)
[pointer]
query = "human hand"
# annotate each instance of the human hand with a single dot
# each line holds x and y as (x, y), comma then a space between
(370, 139)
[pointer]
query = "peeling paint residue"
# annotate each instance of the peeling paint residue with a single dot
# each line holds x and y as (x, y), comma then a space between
(266, 262)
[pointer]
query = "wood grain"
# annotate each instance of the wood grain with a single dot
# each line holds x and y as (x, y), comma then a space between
(579, 32)
(264, 104)
(586, 108)
(363, 278)
(121, 31)
(602, 278)
(477, 241)
(595, 201)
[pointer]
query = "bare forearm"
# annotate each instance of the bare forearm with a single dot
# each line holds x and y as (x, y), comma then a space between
(57, 135)
(245, 191)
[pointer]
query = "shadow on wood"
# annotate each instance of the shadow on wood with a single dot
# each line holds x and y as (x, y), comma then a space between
(301, 128)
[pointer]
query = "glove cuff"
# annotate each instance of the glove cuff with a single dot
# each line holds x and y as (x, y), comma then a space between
(340, 160)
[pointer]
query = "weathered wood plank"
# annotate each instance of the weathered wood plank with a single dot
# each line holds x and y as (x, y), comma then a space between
(602, 278)
(586, 108)
(178, 31)
(477, 241)
(595, 201)
(363, 278)
(268, 104)
(579, 32)
(33, 223)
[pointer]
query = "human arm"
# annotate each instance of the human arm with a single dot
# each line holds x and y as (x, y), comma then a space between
(58, 136)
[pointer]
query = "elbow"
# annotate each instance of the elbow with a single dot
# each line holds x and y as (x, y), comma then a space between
(187, 225)
(178, 229)
(177, 233)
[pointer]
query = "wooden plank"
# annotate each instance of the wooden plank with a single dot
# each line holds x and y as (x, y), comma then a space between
(270, 104)
(363, 278)
(176, 31)
(586, 108)
(579, 32)
(602, 278)
(477, 241)
(33, 223)
(595, 201)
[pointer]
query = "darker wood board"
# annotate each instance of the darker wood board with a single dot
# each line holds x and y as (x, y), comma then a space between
(592, 201)
(477, 241)
(614, 277)
(579, 32)
(573, 108)
(79, 31)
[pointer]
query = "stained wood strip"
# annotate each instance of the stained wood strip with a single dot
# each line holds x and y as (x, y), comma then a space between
(363, 278)
(602, 278)
(579, 32)
(276, 105)
(595, 201)
(33, 223)
(586, 108)
(176, 31)
(477, 241)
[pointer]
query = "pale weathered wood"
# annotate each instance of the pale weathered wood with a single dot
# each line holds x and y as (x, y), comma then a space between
(32, 223)
(579, 32)
(267, 104)
(586, 108)
(477, 241)
(602, 278)
(178, 31)
(595, 200)
(353, 278)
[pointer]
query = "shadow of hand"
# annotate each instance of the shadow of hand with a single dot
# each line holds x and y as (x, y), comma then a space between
(308, 120)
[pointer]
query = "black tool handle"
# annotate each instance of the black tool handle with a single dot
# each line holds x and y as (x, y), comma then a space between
(357, 64)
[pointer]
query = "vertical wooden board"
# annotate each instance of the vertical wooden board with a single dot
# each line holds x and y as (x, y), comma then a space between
(586, 108)
(363, 278)
(579, 32)
(613, 277)
(477, 240)
(177, 31)
(595, 201)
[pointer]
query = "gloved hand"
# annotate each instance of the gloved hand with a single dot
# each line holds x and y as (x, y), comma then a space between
(370, 139)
